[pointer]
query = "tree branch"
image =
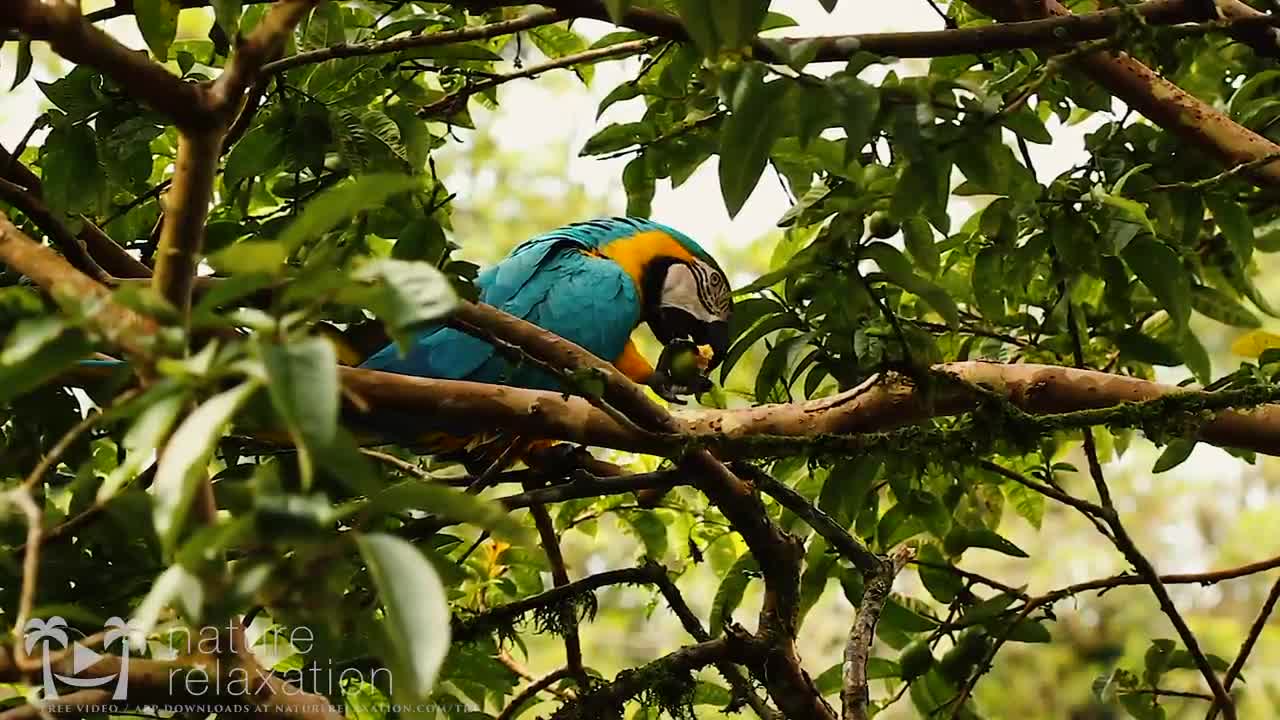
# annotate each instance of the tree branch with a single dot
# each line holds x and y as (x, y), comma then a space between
(1255, 631)
(1025, 33)
(1159, 100)
(449, 103)
(78, 294)
(186, 208)
(113, 259)
(530, 691)
(854, 693)
(878, 405)
(382, 47)
(76, 39)
(71, 247)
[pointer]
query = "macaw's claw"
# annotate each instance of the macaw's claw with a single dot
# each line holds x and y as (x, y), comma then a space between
(561, 459)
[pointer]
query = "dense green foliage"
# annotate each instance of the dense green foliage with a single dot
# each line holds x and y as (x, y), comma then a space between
(921, 232)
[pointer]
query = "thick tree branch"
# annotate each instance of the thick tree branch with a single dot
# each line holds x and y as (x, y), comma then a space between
(76, 39)
(78, 294)
(879, 405)
(114, 259)
(265, 44)
(71, 247)
(186, 208)
(1159, 100)
(1031, 33)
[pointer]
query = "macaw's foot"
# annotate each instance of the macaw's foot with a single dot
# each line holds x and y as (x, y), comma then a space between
(560, 460)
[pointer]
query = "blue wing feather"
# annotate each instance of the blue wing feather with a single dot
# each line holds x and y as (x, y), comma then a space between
(548, 281)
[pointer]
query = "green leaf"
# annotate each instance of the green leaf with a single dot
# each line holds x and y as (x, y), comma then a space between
(36, 351)
(651, 530)
(260, 151)
(176, 587)
(1028, 503)
(251, 257)
(144, 436)
(386, 132)
(820, 565)
(943, 585)
(449, 503)
(227, 14)
(1159, 268)
(158, 23)
(1027, 631)
(744, 343)
(698, 17)
(898, 269)
(423, 239)
(1233, 220)
(404, 295)
(417, 616)
(859, 104)
(1132, 208)
(1174, 454)
(302, 380)
(339, 204)
(25, 60)
(898, 617)
(73, 180)
(1217, 305)
(729, 594)
(738, 21)
(1026, 123)
(745, 141)
(918, 238)
(617, 9)
(184, 464)
(616, 137)
(638, 180)
(988, 282)
(962, 538)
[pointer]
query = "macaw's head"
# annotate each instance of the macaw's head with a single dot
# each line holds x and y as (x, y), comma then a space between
(689, 299)
(685, 294)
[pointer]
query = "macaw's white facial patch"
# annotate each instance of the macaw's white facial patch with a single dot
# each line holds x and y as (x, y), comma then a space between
(698, 290)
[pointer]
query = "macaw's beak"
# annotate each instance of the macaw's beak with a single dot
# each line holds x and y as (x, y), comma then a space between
(716, 335)
(673, 325)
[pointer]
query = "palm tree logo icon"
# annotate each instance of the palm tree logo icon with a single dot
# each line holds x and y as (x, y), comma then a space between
(54, 630)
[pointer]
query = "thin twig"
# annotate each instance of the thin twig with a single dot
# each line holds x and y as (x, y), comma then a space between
(1255, 631)
(447, 37)
(517, 703)
(623, 49)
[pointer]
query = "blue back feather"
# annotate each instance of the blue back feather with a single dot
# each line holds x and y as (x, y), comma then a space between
(549, 281)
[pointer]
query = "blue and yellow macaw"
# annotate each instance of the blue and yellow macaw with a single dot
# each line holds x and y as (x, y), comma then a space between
(592, 283)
